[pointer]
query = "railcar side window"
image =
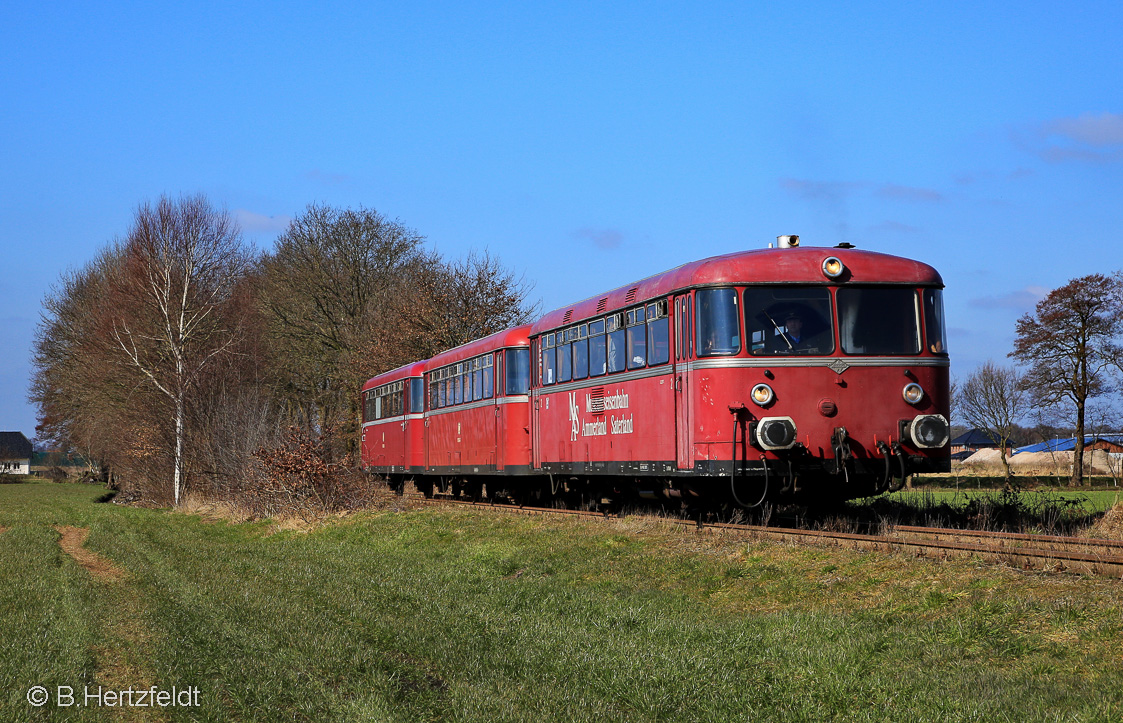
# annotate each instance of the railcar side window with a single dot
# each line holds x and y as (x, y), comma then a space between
(548, 369)
(934, 321)
(416, 395)
(565, 362)
(581, 358)
(368, 406)
(617, 355)
(487, 371)
(598, 349)
(518, 371)
(719, 330)
(787, 320)
(658, 334)
(879, 320)
(637, 339)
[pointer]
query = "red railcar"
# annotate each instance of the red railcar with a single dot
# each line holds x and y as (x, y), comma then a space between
(789, 372)
(476, 420)
(758, 373)
(393, 405)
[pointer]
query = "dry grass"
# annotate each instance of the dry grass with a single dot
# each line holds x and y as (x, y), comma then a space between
(73, 542)
(1110, 526)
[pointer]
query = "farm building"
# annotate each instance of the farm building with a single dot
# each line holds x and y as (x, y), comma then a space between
(1111, 443)
(971, 441)
(15, 453)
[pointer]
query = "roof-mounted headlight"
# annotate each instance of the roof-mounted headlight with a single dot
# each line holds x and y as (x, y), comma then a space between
(833, 267)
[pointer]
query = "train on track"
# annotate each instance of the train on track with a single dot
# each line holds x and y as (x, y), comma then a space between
(790, 373)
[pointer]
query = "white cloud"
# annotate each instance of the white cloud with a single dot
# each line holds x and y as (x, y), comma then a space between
(1021, 300)
(1105, 129)
(1089, 137)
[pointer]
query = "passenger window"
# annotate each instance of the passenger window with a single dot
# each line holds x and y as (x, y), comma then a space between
(617, 353)
(581, 359)
(565, 363)
(658, 341)
(548, 370)
(637, 345)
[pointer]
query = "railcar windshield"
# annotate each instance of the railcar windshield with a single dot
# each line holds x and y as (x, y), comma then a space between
(784, 320)
(719, 329)
(879, 320)
(518, 371)
(934, 321)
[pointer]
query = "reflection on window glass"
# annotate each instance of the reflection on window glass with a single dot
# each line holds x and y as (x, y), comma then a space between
(565, 363)
(659, 341)
(548, 375)
(417, 396)
(789, 320)
(878, 320)
(637, 346)
(934, 321)
(617, 356)
(598, 355)
(581, 359)
(718, 327)
(518, 371)
(487, 382)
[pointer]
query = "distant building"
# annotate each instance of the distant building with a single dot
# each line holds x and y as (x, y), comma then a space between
(15, 453)
(1111, 443)
(972, 441)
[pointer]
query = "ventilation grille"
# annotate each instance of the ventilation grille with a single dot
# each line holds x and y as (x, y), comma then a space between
(602, 304)
(596, 400)
(567, 317)
(631, 295)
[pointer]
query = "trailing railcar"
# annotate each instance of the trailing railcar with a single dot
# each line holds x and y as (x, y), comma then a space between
(393, 407)
(472, 421)
(787, 373)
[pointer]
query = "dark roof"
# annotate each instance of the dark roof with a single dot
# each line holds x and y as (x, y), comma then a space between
(973, 438)
(13, 445)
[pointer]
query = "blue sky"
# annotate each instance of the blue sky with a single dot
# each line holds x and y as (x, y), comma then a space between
(585, 144)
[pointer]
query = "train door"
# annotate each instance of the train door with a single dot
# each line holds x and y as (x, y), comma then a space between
(535, 425)
(684, 335)
(498, 388)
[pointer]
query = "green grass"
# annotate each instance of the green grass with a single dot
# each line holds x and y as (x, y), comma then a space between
(440, 614)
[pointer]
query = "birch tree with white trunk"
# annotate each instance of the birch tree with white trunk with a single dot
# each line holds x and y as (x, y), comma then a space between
(183, 260)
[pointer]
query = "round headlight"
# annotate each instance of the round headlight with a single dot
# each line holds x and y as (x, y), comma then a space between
(913, 393)
(762, 394)
(832, 267)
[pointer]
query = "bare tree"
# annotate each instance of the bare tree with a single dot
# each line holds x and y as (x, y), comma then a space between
(329, 292)
(992, 400)
(1070, 347)
(183, 260)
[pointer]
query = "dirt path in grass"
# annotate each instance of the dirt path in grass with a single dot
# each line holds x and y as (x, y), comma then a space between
(120, 663)
(73, 543)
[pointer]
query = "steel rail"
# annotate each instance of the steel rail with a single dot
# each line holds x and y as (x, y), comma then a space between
(1077, 555)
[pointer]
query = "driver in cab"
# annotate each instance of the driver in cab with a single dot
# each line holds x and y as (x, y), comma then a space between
(791, 338)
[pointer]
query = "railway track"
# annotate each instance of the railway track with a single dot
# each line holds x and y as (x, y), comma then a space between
(1028, 552)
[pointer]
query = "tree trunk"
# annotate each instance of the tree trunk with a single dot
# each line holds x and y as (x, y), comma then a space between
(1006, 464)
(1078, 451)
(177, 481)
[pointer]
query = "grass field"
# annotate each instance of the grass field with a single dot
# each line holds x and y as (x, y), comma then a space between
(451, 614)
